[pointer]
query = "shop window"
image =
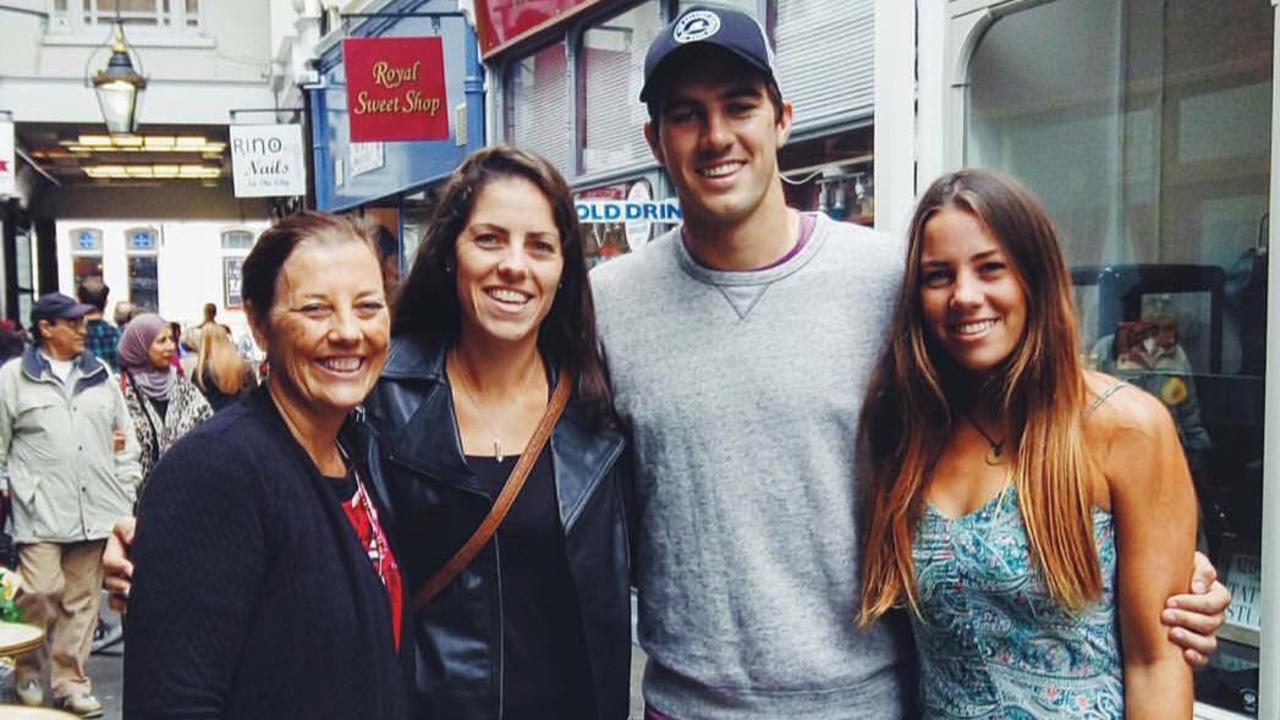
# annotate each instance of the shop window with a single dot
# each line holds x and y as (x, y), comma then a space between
(86, 255)
(832, 174)
(612, 63)
(144, 278)
(145, 15)
(621, 218)
(1163, 213)
(237, 240)
(24, 266)
(415, 219)
(538, 105)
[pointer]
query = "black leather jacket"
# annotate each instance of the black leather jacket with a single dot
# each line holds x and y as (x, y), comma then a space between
(433, 506)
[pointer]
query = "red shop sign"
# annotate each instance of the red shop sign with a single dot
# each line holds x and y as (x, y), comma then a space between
(501, 22)
(395, 88)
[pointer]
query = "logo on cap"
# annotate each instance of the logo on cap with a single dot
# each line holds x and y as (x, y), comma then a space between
(697, 25)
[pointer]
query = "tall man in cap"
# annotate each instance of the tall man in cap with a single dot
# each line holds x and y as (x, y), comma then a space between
(739, 346)
(69, 457)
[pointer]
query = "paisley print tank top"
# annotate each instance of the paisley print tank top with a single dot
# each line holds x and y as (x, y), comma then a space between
(993, 642)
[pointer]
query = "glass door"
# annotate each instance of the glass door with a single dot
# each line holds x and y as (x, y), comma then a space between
(1146, 128)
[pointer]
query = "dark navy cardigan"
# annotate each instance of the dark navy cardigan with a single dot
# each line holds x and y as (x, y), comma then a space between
(252, 597)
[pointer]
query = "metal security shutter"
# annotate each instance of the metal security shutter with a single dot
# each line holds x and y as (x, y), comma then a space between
(540, 106)
(825, 58)
(613, 115)
(612, 64)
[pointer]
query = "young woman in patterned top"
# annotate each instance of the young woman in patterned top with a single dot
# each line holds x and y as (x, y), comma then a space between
(1034, 516)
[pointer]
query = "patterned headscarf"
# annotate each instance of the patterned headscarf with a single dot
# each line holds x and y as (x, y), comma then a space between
(135, 341)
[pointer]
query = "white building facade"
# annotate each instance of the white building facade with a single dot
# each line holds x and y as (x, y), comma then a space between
(152, 212)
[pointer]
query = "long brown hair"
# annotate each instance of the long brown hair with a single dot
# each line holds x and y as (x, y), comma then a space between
(220, 361)
(428, 308)
(917, 391)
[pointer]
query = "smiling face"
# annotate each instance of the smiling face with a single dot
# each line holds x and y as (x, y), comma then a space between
(160, 352)
(718, 136)
(509, 260)
(972, 299)
(328, 330)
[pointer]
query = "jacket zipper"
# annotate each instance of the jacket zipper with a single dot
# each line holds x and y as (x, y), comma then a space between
(502, 634)
(497, 559)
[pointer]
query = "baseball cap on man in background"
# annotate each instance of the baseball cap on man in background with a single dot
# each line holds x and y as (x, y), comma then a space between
(56, 306)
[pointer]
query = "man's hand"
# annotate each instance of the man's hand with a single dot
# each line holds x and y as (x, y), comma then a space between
(117, 570)
(1195, 618)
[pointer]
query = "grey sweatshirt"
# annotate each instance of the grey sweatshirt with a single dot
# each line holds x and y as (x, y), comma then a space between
(742, 392)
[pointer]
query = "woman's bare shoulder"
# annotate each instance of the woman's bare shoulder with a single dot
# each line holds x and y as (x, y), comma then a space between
(1114, 407)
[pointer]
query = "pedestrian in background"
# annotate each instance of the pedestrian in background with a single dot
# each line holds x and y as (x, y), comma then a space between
(164, 406)
(219, 370)
(122, 313)
(210, 318)
(266, 587)
(69, 455)
(100, 337)
(12, 340)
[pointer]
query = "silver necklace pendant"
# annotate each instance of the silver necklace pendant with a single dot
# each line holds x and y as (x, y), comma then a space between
(497, 450)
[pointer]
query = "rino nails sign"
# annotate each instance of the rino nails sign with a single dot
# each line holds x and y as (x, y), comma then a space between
(395, 89)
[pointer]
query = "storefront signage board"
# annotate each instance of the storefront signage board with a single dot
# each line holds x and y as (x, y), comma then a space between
(366, 157)
(591, 210)
(395, 89)
(502, 23)
(8, 164)
(268, 160)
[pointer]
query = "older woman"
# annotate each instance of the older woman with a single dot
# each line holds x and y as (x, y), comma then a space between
(163, 405)
(495, 313)
(265, 585)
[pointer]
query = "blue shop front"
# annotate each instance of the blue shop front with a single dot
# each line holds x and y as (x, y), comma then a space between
(392, 181)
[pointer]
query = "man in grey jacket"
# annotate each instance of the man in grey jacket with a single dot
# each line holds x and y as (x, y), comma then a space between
(739, 346)
(70, 461)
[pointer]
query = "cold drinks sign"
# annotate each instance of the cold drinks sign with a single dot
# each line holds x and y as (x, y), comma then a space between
(395, 88)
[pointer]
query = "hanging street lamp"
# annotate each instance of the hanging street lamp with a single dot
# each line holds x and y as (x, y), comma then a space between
(119, 87)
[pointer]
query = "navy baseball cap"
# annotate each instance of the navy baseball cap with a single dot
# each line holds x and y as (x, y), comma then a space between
(732, 30)
(54, 306)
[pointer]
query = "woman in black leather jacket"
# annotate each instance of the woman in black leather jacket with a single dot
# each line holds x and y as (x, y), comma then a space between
(496, 308)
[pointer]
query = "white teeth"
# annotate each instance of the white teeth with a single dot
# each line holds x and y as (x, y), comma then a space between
(506, 295)
(346, 364)
(972, 328)
(721, 170)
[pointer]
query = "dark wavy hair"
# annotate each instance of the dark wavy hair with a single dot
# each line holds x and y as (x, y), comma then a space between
(428, 309)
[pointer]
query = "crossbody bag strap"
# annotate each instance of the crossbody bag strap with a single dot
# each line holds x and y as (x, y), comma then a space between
(506, 498)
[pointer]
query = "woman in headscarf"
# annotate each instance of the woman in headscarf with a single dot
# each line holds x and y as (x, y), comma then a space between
(163, 405)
